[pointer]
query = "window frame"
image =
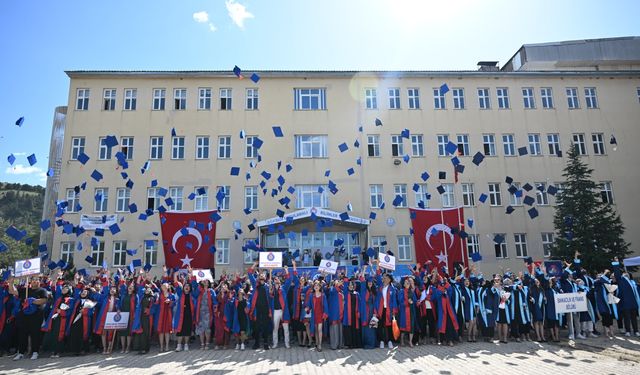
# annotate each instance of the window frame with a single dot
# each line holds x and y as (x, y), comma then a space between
(127, 149)
(393, 94)
(311, 193)
(251, 198)
(373, 145)
(397, 146)
(590, 98)
(204, 98)
(580, 142)
(224, 147)
(401, 190)
(222, 251)
(546, 96)
(468, 194)
(448, 198)
(123, 197)
(439, 99)
(458, 98)
(597, 140)
(82, 99)
(177, 147)
(130, 102)
(520, 242)
(509, 145)
(573, 101)
(252, 99)
(417, 145)
(463, 140)
(203, 147)
(491, 150)
(313, 95)
(176, 193)
(370, 98)
(502, 94)
(179, 99)
(535, 147)
(377, 195)
(201, 202)
(119, 253)
(404, 248)
(103, 204)
(109, 97)
(528, 98)
(159, 99)
(413, 98)
(302, 140)
(495, 194)
(484, 98)
(226, 99)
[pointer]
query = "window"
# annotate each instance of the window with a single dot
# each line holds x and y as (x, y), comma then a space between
(598, 143)
(542, 199)
(438, 99)
(528, 99)
(250, 255)
(97, 253)
(82, 102)
(202, 147)
(126, 146)
(175, 193)
(578, 142)
(224, 147)
(473, 244)
(104, 152)
(77, 147)
(590, 97)
(401, 190)
(468, 196)
(250, 151)
(150, 252)
(159, 96)
(180, 99)
(130, 99)
(201, 201)
(109, 97)
(155, 148)
(404, 248)
(252, 99)
(225, 99)
(370, 99)
(458, 98)
(153, 198)
(310, 99)
(503, 97)
(66, 251)
(515, 200)
(222, 251)
(225, 204)
(443, 140)
(520, 240)
(463, 144)
(572, 98)
(101, 200)
(414, 98)
(561, 187)
(308, 196)
(417, 148)
(534, 144)
(483, 99)
(495, 199)
(251, 197)
(509, 144)
(546, 94)
(375, 196)
(123, 196)
(422, 195)
(373, 145)
(448, 197)
(394, 98)
(377, 244)
(177, 148)
(606, 192)
(547, 242)
(119, 253)
(311, 146)
(501, 248)
(489, 144)
(397, 149)
(553, 141)
(204, 98)
(73, 200)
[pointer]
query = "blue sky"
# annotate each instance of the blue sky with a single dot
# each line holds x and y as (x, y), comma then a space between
(41, 39)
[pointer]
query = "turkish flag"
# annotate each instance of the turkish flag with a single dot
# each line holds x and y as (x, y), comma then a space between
(436, 235)
(188, 239)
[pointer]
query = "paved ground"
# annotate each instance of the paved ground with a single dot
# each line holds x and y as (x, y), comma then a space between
(596, 356)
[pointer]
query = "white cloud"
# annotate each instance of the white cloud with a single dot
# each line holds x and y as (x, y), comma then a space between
(212, 27)
(237, 12)
(21, 169)
(201, 17)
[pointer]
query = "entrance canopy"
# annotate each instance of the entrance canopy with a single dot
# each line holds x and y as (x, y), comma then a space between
(322, 213)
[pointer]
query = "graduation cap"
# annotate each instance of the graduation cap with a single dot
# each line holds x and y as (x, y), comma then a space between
(508, 180)
(288, 168)
(51, 172)
(11, 159)
(459, 168)
(83, 158)
(356, 144)
(424, 176)
(237, 71)
(440, 189)
(255, 78)
(378, 122)
(470, 223)
(277, 131)
(483, 197)
(522, 151)
(476, 257)
(509, 210)
(552, 190)
(372, 215)
(234, 171)
(3, 247)
(52, 265)
(478, 158)
(406, 158)
(114, 228)
(96, 175)
(498, 239)
(533, 212)
(89, 259)
(405, 133)
(110, 141)
(32, 159)
(444, 89)
(344, 216)
(133, 208)
(529, 201)
(257, 143)
(266, 175)
(350, 171)
(442, 175)
(397, 201)
(173, 132)
(528, 260)
(371, 253)
(45, 224)
(527, 187)
(512, 189)
(20, 121)
(343, 147)
(451, 148)
(163, 192)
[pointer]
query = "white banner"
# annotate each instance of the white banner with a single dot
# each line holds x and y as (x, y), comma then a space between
(387, 261)
(270, 259)
(27, 267)
(116, 320)
(328, 266)
(91, 222)
(570, 302)
(203, 275)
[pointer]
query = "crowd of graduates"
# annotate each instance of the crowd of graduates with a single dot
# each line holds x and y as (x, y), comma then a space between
(368, 309)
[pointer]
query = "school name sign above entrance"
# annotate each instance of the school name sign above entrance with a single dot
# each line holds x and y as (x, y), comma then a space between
(308, 212)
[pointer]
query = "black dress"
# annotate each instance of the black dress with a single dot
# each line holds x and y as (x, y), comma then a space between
(352, 335)
(187, 318)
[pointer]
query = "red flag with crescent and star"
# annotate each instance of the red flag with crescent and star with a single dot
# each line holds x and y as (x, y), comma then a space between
(188, 239)
(436, 236)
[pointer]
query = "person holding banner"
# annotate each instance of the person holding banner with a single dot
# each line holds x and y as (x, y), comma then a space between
(386, 306)
(317, 306)
(28, 321)
(183, 315)
(108, 302)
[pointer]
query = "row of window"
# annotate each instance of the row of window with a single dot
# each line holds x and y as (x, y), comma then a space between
(307, 196)
(315, 146)
(519, 243)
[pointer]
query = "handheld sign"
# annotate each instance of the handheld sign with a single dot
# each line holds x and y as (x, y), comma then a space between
(387, 261)
(270, 259)
(27, 267)
(570, 302)
(116, 320)
(203, 275)
(328, 266)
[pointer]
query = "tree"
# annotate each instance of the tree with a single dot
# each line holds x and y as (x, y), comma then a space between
(584, 222)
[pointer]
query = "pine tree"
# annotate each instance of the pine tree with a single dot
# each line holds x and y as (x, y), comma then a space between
(584, 222)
